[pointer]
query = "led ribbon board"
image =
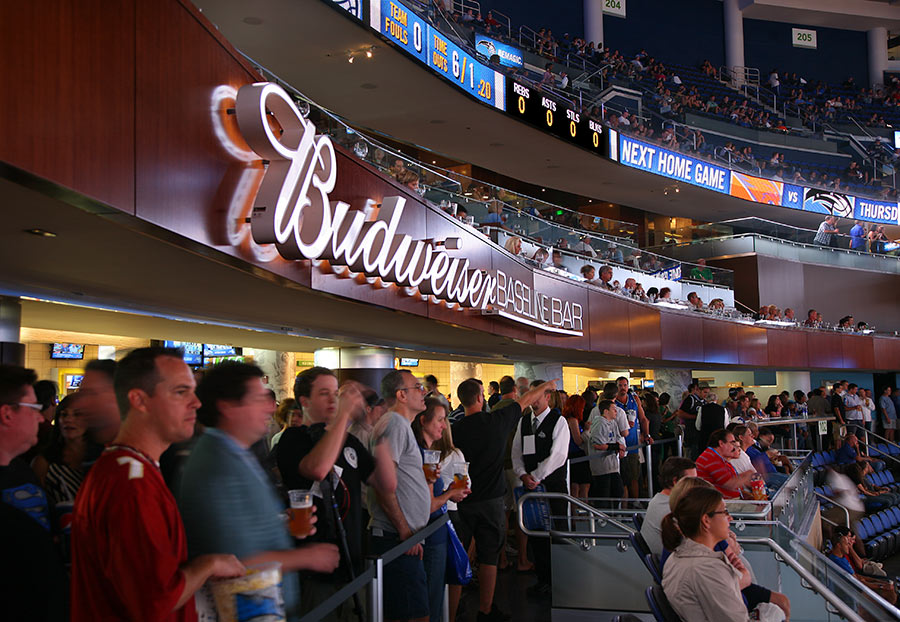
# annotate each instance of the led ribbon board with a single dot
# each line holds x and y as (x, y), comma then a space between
(428, 45)
(293, 210)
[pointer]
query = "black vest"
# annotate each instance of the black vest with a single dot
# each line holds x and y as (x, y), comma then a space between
(543, 443)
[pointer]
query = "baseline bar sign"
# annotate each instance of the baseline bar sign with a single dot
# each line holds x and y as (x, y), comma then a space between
(293, 210)
(653, 159)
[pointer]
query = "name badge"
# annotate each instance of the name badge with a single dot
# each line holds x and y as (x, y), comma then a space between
(528, 445)
(541, 435)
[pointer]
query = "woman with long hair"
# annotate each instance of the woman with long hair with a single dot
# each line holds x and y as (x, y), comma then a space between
(63, 466)
(288, 415)
(428, 428)
(702, 584)
(580, 472)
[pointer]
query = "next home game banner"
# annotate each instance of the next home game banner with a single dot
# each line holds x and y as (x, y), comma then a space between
(402, 26)
(876, 211)
(653, 159)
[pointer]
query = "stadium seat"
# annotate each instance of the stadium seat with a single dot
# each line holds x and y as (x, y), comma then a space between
(638, 520)
(659, 605)
(647, 557)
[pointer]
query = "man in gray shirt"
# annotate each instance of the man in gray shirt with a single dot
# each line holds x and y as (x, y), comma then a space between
(889, 413)
(827, 228)
(401, 510)
(672, 470)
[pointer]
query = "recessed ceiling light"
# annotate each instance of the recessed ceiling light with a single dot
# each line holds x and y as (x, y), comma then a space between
(41, 233)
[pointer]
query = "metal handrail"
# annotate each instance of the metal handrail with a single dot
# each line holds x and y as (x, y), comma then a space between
(573, 501)
(798, 542)
(882, 439)
(830, 500)
(883, 454)
(814, 583)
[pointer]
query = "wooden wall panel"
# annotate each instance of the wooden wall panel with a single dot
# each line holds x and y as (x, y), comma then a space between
(609, 327)
(644, 329)
(68, 98)
(182, 160)
(859, 352)
(825, 350)
(753, 346)
(720, 342)
(887, 353)
(682, 337)
(787, 348)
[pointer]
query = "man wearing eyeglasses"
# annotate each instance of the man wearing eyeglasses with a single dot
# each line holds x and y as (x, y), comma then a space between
(38, 588)
(404, 503)
(714, 464)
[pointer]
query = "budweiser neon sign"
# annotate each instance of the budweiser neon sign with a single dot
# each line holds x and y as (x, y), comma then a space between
(293, 210)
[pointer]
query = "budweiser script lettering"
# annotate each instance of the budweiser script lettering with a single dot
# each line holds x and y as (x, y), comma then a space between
(293, 210)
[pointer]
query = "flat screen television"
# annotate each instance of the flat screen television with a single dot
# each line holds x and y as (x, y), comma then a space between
(193, 352)
(214, 349)
(73, 381)
(409, 362)
(67, 351)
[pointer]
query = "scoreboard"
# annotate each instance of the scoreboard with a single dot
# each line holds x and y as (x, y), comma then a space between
(404, 28)
(554, 116)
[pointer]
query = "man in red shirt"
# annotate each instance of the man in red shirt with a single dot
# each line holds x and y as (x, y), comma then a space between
(713, 465)
(129, 552)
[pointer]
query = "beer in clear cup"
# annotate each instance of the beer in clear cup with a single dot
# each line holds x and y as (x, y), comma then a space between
(430, 462)
(460, 476)
(300, 513)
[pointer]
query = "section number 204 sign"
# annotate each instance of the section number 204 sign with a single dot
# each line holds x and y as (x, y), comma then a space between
(614, 7)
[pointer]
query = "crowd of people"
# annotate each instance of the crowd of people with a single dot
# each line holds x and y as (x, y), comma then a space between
(862, 237)
(155, 478)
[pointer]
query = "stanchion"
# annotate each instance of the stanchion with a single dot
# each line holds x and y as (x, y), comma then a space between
(648, 457)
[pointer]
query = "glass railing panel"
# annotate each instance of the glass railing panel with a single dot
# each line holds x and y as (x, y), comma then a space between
(866, 602)
(581, 237)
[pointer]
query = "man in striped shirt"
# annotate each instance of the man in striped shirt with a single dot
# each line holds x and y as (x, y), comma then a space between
(713, 465)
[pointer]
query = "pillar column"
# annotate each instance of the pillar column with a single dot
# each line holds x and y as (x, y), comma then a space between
(279, 368)
(878, 55)
(12, 352)
(365, 365)
(593, 21)
(540, 371)
(672, 381)
(734, 35)
(460, 372)
(791, 381)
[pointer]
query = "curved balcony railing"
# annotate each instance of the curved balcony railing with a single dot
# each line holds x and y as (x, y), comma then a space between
(551, 227)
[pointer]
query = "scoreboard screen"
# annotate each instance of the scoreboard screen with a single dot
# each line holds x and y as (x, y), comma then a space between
(403, 27)
(554, 116)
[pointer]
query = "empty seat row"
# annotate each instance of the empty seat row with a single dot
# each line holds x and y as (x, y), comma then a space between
(880, 533)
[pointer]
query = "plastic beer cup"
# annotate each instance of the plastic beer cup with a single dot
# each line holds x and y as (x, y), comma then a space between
(300, 513)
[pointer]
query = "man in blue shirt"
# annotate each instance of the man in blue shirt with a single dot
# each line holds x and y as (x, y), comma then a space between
(761, 462)
(849, 454)
(227, 501)
(858, 237)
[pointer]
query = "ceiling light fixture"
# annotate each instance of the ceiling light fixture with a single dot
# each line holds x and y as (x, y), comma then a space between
(369, 53)
(41, 233)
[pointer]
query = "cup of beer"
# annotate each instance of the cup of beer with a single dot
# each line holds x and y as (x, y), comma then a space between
(460, 476)
(430, 463)
(300, 513)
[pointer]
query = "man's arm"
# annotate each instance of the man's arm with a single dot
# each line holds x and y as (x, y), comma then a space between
(532, 395)
(559, 451)
(200, 569)
(645, 423)
(318, 463)
(321, 557)
(517, 463)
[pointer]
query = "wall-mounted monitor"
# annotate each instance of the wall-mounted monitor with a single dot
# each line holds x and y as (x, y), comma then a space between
(409, 362)
(214, 349)
(193, 352)
(67, 351)
(648, 383)
(73, 382)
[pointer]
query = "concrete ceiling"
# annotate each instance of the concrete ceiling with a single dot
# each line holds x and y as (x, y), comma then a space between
(121, 277)
(306, 44)
(841, 14)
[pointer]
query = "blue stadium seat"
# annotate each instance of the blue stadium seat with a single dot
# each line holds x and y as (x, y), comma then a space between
(659, 605)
